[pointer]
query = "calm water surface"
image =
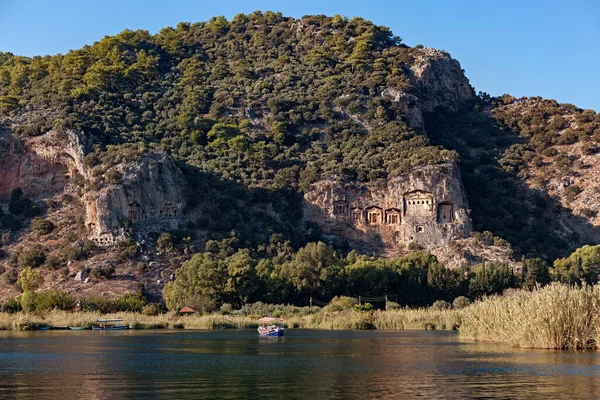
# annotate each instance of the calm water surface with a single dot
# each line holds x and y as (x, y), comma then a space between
(305, 364)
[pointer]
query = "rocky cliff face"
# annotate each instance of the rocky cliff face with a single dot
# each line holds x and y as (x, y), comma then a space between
(427, 207)
(40, 165)
(67, 147)
(149, 198)
(439, 80)
(150, 195)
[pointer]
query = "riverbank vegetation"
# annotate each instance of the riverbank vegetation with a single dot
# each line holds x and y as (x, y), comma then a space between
(226, 286)
(340, 313)
(557, 316)
(229, 275)
(236, 276)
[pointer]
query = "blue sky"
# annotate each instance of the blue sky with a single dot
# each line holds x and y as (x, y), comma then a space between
(525, 48)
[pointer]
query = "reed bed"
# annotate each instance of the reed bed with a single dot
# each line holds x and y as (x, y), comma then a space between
(23, 321)
(346, 319)
(415, 319)
(403, 319)
(553, 317)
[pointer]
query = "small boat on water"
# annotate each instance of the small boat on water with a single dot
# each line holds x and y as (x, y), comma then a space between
(77, 328)
(109, 325)
(268, 328)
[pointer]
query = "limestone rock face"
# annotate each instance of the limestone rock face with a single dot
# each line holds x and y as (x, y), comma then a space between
(410, 105)
(426, 206)
(66, 147)
(40, 165)
(149, 198)
(439, 80)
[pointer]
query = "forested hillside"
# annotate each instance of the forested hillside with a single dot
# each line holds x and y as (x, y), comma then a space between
(254, 112)
(526, 164)
(262, 99)
(262, 102)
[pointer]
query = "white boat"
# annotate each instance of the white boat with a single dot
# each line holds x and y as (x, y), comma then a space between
(268, 328)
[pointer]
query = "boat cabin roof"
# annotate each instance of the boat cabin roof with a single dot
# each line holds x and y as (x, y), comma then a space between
(109, 320)
(266, 320)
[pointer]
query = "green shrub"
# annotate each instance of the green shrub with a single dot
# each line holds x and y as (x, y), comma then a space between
(127, 248)
(11, 305)
(166, 243)
(97, 303)
(414, 246)
(102, 272)
(32, 257)
(52, 299)
(587, 149)
(52, 262)
(441, 305)
(582, 266)
(11, 276)
(491, 278)
(364, 307)
(572, 192)
(588, 212)
(153, 309)
(460, 302)
(28, 301)
(65, 272)
(133, 302)
(41, 226)
(340, 303)
(226, 309)
(30, 279)
(74, 253)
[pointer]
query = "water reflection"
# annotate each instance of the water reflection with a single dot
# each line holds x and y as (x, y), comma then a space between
(304, 364)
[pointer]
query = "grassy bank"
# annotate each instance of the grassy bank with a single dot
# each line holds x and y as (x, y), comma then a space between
(347, 319)
(554, 317)
(24, 321)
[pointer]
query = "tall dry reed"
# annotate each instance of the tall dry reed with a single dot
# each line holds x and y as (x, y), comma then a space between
(402, 319)
(347, 319)
(23, 321)
(554, 317)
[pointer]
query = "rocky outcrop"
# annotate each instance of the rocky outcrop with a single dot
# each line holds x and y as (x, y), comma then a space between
(149, 198)
(40, 165)
(409, 104)
(439, 80)
(66, 147)
(475, 250)
(427, 207)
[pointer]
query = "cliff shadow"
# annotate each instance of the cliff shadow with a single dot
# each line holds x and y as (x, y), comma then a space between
(500, 201)
(223, 206)
(343, 234)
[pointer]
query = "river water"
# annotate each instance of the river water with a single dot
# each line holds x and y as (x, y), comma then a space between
(306, 364)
